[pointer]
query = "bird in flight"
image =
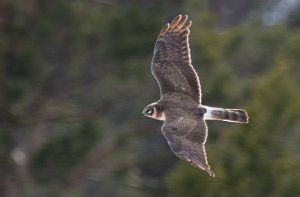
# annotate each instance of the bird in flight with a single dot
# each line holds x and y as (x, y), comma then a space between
(180, 105)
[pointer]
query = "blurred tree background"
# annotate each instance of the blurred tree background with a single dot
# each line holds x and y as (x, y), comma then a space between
(75, 76)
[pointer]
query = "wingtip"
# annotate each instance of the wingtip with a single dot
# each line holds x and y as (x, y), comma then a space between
(188, 24)
(209, 172)
(175, 21)
(185, 15)
(181, 22)
(212, 174)
(164, 29)
(205, 168)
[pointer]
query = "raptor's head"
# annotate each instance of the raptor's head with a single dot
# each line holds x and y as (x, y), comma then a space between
(154, 110)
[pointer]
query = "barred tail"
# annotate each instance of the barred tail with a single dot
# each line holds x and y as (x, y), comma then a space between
(229, 115)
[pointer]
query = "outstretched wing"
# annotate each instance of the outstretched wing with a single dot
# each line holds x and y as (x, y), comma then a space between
(187, 137)
(171, 63)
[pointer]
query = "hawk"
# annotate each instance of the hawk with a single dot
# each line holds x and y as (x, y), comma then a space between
(180, 105)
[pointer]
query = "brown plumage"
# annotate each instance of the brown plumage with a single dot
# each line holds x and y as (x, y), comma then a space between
(172, 54)
(180, 103)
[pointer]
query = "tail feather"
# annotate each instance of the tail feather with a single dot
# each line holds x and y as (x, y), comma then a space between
(229, 115)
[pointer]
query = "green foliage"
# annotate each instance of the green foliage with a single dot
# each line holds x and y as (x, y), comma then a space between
(186, 180)
(62, 153)
(274, 109)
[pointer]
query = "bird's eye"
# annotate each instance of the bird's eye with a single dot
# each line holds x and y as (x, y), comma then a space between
(149, 111)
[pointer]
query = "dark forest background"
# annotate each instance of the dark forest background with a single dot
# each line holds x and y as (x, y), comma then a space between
(75, 76)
